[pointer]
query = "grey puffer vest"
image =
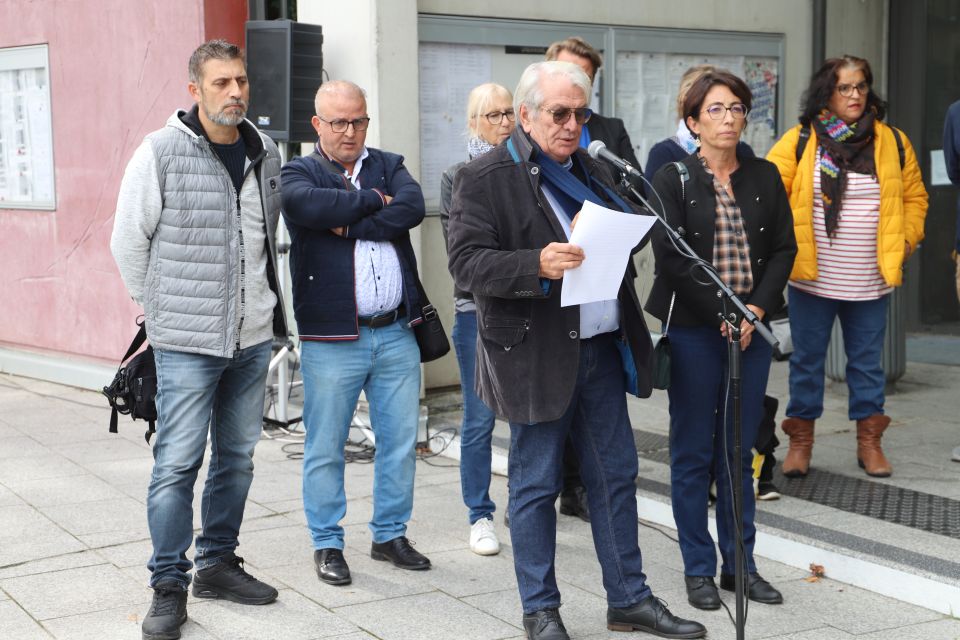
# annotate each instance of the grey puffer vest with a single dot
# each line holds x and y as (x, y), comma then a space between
(196, 298)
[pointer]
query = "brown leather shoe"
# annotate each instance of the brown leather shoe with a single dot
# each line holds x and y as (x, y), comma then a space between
(797, 462)
(869, 454)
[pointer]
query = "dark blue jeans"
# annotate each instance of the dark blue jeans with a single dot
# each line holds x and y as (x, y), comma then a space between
(698, 430)
(864, 324)
(476, 431)
(598, 422)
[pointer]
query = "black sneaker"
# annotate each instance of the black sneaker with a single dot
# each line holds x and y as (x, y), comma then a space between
(229, 581)
(766, 490)
(168, 612)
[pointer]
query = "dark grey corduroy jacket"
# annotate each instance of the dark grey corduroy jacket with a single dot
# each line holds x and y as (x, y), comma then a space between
(528, 348)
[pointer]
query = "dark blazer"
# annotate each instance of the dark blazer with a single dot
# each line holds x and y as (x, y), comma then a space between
(767, 219)
(528, 348)
(316, 200)
(614, 135)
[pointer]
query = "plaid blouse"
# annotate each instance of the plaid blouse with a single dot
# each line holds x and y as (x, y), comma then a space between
(731, 251)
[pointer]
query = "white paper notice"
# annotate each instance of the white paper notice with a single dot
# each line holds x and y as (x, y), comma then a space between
(606, 237)
(938, 168)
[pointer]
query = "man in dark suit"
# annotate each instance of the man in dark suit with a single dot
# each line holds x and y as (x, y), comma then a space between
(573, 498)
(610, 130)
(555, 371)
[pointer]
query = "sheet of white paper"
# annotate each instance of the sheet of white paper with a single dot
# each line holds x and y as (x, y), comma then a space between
(606, 237)
(938, 168)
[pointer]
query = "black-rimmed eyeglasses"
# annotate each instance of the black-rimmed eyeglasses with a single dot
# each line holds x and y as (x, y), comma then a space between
(560, 116)
(846, 90)
(340, 125)
(716, 111)
(496, 117)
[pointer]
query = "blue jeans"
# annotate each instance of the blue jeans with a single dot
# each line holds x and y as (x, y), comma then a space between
(476, 431)
(598, 422)
(863, 324)
(197, 395)
(385, 364)
(701, 421)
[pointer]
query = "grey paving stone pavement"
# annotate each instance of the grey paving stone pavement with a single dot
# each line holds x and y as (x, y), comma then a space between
(74, 541)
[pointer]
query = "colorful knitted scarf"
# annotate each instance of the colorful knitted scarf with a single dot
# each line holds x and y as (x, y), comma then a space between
(843, 148)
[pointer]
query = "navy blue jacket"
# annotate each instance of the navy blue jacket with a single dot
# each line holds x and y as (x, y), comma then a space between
(951, 155)
(667, 151)
(314, 202)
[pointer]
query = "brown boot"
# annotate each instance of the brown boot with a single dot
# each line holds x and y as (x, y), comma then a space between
(797, 462)
(869, 454)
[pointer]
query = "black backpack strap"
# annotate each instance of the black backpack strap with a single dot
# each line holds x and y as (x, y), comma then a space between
(332, 168)
(802, 142)
(138, 341)
(113, 419)
(150, 430)
(900, 151)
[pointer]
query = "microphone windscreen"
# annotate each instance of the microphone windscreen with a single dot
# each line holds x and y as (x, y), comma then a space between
(593, 149)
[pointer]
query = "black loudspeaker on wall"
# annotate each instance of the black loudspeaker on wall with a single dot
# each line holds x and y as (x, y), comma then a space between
(284, 65)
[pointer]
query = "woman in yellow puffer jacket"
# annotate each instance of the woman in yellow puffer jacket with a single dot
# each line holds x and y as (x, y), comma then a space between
(858, 205)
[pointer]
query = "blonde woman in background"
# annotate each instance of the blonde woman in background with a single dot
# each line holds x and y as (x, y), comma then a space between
(490, 121)
(681, 144)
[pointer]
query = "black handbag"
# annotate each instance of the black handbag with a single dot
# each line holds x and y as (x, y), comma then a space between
(660, 361)
(133, 391)
(431, 337)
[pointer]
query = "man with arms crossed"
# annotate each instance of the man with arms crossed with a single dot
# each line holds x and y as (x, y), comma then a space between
(349, 209)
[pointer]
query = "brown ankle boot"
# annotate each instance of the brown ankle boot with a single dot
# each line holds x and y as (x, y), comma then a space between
(869, 454)
(797, 462)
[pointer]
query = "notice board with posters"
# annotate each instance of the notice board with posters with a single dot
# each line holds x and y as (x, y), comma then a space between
(638, 82)
(26, 139)
(646, 95)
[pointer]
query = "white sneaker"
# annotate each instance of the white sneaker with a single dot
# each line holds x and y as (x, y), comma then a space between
(483, 538)
(956, 455)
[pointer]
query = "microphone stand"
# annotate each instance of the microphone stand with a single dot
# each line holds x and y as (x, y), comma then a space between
(735, 364)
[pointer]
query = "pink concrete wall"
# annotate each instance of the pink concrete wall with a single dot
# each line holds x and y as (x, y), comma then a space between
(118, 69)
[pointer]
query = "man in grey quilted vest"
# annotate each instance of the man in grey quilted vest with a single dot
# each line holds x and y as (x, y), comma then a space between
(194, 241)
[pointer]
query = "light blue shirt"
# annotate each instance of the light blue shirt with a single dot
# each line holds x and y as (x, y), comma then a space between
(595, 317)
(376, 267)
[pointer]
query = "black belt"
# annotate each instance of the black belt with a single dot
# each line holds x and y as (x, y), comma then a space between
(382, 319)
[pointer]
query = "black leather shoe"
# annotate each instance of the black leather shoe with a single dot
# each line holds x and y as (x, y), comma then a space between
(652, 616)
(168, 612)
(573, 502)
(400, 553)
(331, 566)
(544, 625)
(758, 589)
(228, 580)
(702, 592)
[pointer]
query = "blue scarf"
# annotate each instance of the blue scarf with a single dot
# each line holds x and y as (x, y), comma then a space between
(565, 182)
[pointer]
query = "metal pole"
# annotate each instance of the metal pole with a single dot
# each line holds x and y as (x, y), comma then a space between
(735, 360)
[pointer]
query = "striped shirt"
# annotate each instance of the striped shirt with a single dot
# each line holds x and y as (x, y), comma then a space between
(847, 263)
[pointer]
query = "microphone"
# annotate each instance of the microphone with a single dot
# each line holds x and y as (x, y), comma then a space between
(598, 149)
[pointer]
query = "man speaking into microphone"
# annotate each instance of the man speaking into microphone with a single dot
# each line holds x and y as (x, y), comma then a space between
(612, 133)
(555, 371)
